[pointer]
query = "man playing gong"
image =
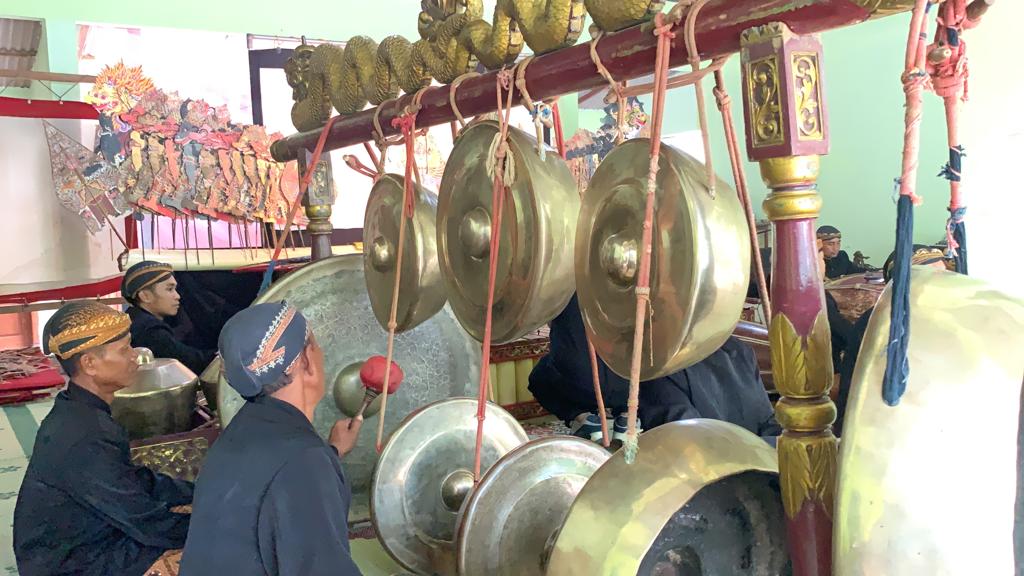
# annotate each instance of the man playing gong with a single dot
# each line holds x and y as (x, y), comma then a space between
(271, 498)
(83, 507)
(724, 386)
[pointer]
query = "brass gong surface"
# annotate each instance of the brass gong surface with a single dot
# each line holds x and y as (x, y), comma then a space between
(700, 260)
(534, 272)
(422, 293)
(160, 400)
(425, 474)
(349, 392)
(438, 358)
(622, 511)
(928, 486)
(511, 519)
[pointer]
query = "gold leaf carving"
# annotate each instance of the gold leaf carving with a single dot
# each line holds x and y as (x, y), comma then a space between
(763, 33)
(788, 362)
(765, 102)
(807, 467)
(822, 453)
(801, 372)
(794, 474)
(820, 371)
(807, 86)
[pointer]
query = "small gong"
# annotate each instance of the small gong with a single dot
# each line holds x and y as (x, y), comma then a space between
(700, 260)
(422, 293)
(349, 391)
(424, 475)
(702, 497)
(534, 271)
(510, 521)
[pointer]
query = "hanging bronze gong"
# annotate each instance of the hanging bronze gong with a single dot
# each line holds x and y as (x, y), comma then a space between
(702, 497)
(438, 358)
(929, 486)
(349, 392)
(534, 272)
(509, 522)
(700, 260)
(425, 474)
(421, 294)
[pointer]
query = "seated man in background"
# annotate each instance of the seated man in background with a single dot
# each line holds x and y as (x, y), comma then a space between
(151, 290)
(837, 261)
(83, 507)
(271, 499)
(724, 386)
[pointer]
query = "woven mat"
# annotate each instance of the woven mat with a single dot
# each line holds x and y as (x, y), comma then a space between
(544, 428)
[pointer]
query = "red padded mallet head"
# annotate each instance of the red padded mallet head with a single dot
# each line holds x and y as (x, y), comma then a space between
(372, 375)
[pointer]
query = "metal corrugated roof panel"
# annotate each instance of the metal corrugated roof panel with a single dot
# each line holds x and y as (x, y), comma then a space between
(19, 44)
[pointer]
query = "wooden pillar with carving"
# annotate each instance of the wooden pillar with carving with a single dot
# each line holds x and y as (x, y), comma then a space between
(318, 203)
(786, 133)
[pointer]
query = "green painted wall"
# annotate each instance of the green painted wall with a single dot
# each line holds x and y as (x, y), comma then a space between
(863, 94)
(332, 19)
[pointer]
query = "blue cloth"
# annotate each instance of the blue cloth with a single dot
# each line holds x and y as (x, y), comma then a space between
(897, 364)
(724, 386)
(260, 344)
(83, 507)
(271, 500)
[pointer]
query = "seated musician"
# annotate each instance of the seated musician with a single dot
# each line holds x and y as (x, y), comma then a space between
(923, 256)
(837, 261)
(724, 386)
(83, 508)
(271, 498)
(151, 290)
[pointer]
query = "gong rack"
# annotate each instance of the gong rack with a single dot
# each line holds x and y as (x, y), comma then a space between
(428, 514)
(627, 54)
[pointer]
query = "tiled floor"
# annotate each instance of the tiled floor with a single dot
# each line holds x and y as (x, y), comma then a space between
(18, 426)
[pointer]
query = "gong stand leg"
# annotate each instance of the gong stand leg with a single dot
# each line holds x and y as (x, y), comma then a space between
(318, 203)
(786, 133)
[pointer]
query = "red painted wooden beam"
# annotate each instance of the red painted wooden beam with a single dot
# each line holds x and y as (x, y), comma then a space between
(627, 54)
(49, 109)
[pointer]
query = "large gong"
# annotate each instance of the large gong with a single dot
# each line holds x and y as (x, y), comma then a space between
(438, 359)
(930, 486)
(421, 294)
(702, 497)
(700, 260)
(534, 272)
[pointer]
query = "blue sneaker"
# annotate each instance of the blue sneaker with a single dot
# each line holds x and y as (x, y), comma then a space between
(589, 428)
(622, 425)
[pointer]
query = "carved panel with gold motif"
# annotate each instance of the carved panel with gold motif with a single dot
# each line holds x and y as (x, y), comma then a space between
(765, 102)
(807, 88)
(177, 458)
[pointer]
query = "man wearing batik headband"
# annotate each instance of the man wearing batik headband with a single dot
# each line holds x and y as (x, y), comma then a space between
(152, 291)
(837, 261)
(271, 498)
(83, 507)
